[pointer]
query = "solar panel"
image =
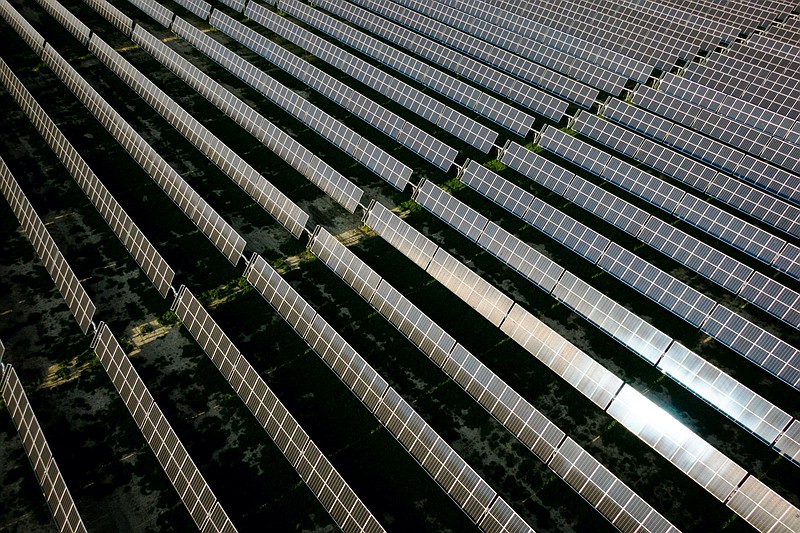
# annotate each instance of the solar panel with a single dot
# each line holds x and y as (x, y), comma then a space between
(789, 260)
(66, 281)
(312, 167)
(462, 218)
(773, 297)
(201, 8)
(402, 236)
(59, 499)
(733, 399)
(607, 133)
(418, 102)
(70, 22)
(476, 292)
(678, 444)
(487, 77)
(657, 285)
(148, 258)
(154, 10)
(187, 480)
(574, 150)
(116, 17)
(458, 479)
(754, 343)
(576, 236)
(520, 256)
(430, 148)
(624, 508)
(707, 261)
(762, 508)
(762, 206)
(22, 27)
(562, 357)
(789, 442)
(372, 157)
(609, 207)
(503, 60)
(536, 167)
(219, 232)
(612, 318)
(507, 195)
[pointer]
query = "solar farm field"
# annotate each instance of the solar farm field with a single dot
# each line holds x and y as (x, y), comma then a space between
(399, 265)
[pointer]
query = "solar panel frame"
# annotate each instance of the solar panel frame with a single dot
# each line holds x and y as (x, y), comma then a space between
(762, 508)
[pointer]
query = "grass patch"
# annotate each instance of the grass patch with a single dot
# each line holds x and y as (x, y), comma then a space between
(495, 165)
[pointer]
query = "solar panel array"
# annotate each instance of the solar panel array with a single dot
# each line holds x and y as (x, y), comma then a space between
(66, 281)
(116, 17)
(687, 451)
(726, 226)
(702, 258)
(443, 463)
(727, 129)
(156, 11)
(240, 171)
(555, 39)
(38, 451)
(471, 69)
(300, 158)
(562, 63)
(294, 443)
(489, 54)
(350, 142)
(739, 403)
(622, 506)
(485, 104)
(68, 20)
(404, 94)
(142, 250)
(22, 26)
(216, 229)
(187, 480)
(404, 132)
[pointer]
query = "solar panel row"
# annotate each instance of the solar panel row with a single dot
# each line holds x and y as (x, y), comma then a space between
(187, 480)
(309, 165)
(725, 130)
(485, 104)
(240, 171)
(77, 28)
(763, 87)
(66, 281)
(201, 8)
(449, 470)
(500, 400)
(630, 330)
(142, 250)
(116, 17)
(335, 494)
(687, 451)
(517, 66)
(216, 229)
(576, 68)
(156, 11)
(353, 144)
(450, 120)
(727, 227)
(720, 268)
(475, 71)
(559, 40)
(428, 146)
(22, 27)
(38, 451)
